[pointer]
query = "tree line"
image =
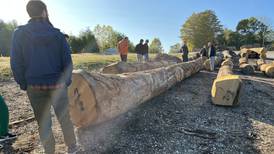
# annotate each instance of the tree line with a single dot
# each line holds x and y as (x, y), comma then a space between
(98, 40)
(204, 27)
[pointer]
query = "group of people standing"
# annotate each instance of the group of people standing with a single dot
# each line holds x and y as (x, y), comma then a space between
(208, 51)
(142, 51)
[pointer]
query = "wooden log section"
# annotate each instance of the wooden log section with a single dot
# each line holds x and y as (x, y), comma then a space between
(226, 87)
(161, 60)
(244, 67)
(96, 97)
(123, 67)
(267, 69)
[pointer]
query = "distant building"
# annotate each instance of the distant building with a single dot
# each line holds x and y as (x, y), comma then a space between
(111, 51)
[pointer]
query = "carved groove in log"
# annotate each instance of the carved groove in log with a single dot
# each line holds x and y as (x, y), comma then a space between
(226, 87)
(100, 97)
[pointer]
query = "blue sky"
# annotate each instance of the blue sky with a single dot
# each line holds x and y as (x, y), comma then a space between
(139, 18)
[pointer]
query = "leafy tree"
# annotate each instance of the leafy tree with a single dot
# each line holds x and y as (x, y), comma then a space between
(107, 37)
(253, 31)
(6, 30)
(86, 42)
(200, 28)
(175, 48)
(156, 46)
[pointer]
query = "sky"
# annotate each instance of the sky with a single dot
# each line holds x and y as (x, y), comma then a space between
(138, 19)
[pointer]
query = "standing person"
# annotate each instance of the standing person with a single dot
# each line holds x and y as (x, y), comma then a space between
(42, 65)
(212, 54)
(184, 50)
(139, 51)
(4, 122)
(123, 49)
(203, 52)
(146, 51)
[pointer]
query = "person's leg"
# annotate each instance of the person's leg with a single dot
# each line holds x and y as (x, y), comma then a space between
(146, 57)
(60, 104)
(121, 56)
(4, 114)
(41, 104)
(139, 58)
(212, 63)
(125, 58)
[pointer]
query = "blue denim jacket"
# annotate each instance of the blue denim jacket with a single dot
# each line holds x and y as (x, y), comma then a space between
(40, 55)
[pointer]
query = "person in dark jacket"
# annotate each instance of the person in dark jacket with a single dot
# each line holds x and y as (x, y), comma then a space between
(212, 55)
(203, 52)
(42, 65)
(4, 122)
(145, 46)
(139, 51)
(184, 50)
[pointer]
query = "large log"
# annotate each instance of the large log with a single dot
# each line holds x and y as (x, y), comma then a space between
(267, 69)
(124, 67)
(161, 60)
(96, 97)
(226, 87)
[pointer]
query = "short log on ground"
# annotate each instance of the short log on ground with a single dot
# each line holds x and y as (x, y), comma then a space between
(96, 97)
(244, 67)
(267, 69)
(226, 87)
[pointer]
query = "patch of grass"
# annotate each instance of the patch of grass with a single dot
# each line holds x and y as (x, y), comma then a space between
(86, 61)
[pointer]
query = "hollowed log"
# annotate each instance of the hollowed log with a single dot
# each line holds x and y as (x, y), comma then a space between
(96, 97)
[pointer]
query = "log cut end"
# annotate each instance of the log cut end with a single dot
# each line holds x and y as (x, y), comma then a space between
(225, 90)
(247, 69)
(269, 71)
(82, 102)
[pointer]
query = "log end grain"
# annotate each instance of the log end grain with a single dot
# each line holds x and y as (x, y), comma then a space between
(247, 69)
(82, 102)
(269, 71)
(225, 90)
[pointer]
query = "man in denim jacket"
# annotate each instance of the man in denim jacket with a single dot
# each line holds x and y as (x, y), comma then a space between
(42, 65)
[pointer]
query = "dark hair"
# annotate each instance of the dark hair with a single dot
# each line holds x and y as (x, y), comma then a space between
(35, 8)
(66, 36)
(141, 40)
(147, 41)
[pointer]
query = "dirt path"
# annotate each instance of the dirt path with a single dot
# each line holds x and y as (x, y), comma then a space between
(182, 120)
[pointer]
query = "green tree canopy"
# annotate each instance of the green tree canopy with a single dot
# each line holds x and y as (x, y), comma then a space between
(86, 42)
(156, 46)
(200, 28)
(253, 31)
(175, 48)
(6, 30)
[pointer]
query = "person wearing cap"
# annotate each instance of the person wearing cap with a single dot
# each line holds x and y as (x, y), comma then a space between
(123, 49)
(41, 64)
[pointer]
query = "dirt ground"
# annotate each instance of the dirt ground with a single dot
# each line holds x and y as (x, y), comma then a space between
(181, 120)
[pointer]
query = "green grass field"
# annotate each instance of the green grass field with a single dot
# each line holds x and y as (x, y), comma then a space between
(85, 61)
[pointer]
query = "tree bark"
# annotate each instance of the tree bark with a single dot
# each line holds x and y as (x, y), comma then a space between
(226, 87)
(96, 97)
(161, 60)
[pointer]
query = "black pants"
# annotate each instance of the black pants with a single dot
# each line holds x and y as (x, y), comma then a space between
(185, 58)
(123, 58)
(41, 102)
